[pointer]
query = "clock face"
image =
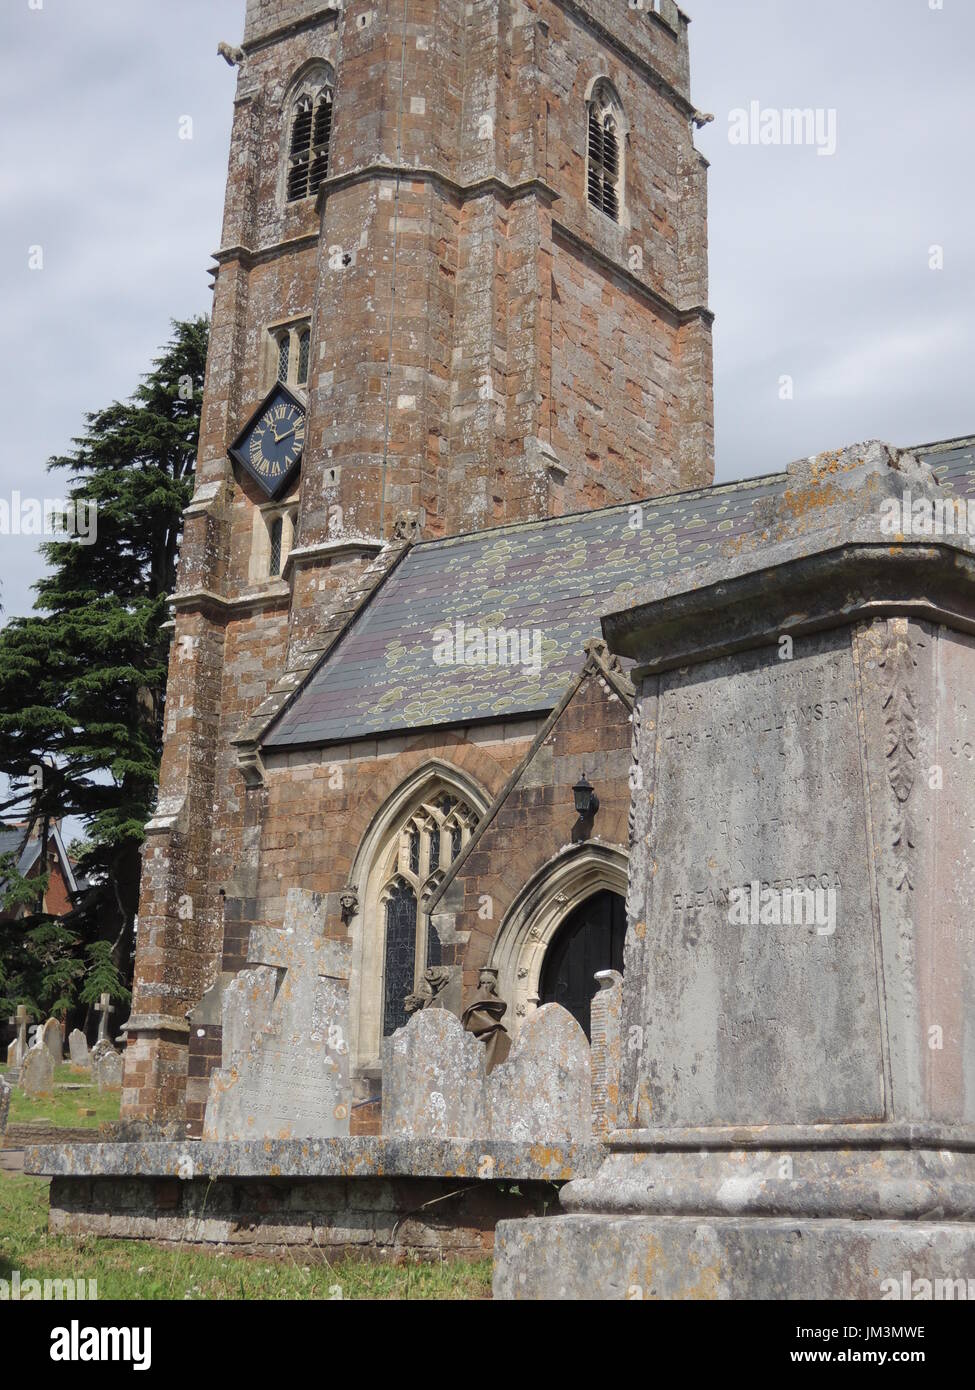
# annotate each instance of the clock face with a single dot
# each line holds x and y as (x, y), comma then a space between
(270, 444)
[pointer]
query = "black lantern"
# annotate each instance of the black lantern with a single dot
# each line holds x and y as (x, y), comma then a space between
(587, 802)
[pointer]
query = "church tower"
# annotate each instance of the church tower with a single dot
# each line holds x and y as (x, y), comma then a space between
(469, 240)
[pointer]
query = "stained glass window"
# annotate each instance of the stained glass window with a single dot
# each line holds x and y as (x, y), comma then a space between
(400, 955)
(456, 842)
(284, 355)
(304, 343)
(414, 851)
(434, 848)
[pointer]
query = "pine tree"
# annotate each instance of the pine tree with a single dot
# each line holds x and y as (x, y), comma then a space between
(82, 680)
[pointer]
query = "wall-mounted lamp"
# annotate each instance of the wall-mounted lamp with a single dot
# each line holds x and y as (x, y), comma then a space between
(587, 802)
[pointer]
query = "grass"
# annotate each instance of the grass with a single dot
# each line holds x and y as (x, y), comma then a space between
(66, 1109)
(133, 1270)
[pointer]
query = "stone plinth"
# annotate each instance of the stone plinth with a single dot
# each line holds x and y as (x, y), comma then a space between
(797, 1113)
(369, 1196)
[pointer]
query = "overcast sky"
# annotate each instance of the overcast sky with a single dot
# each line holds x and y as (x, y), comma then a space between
(819, 264)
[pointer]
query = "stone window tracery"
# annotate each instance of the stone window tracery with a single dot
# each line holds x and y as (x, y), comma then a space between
(424, 849)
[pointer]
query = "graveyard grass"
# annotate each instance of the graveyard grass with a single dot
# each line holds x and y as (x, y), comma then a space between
(133, 1270)
(65, 1109)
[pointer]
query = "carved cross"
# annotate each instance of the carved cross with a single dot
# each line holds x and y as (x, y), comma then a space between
(104, 1008)
(19, 1021)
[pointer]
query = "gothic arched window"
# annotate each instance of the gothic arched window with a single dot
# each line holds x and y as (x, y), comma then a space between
(311, 132)
(423, 850)
(604, 164)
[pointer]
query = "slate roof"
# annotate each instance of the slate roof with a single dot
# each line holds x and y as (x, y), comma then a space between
(12, 842)
(556, 576)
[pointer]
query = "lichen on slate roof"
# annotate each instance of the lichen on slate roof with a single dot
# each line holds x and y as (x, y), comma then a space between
(555, 577)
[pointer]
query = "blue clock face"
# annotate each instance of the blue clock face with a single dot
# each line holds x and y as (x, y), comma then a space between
(269, 447)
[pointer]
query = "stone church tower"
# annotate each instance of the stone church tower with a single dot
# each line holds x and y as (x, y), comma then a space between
(470, 238)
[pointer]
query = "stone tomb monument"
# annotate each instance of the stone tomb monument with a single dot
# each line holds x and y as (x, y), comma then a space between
(284, 1071)
(798, 1067)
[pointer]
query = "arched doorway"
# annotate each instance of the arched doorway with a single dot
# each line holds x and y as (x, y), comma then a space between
(590, 939)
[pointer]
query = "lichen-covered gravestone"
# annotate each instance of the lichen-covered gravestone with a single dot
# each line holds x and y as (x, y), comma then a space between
(108, 1071)
(37, 1072)
(53, 1040)
(436, 1083)
(78, 1049)
(284, 1072)
(5, 1093)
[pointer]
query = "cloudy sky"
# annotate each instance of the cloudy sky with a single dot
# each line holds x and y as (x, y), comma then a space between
(820, 265)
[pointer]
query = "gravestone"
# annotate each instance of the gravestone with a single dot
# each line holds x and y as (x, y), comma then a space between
(436, 1082)
(102, 1046)
(17, 1050)
(6, 1091)
(108, 1070)
(797, 1089)
(103, 1008)
(53, 1040)
(284, 1070)
(434, 1075)
(37, 1071)
(78, 1049)
(607, 1051)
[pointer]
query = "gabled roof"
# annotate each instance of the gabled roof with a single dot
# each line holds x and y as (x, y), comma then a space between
(13, 840)
(556, 577)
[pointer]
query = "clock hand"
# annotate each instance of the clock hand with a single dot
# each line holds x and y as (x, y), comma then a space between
(279, 438)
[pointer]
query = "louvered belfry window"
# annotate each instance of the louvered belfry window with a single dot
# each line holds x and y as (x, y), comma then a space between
(603, 174)
(311, 131)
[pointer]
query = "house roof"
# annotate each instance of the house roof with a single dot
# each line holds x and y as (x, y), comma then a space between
(13, 841)
(555, 577)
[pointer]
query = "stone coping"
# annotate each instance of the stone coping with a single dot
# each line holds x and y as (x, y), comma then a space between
(365, 1157)
(880, 1135)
